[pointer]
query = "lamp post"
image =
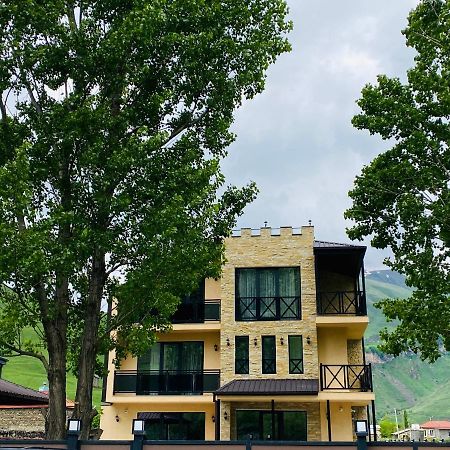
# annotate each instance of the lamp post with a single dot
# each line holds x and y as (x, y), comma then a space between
(361, 431)
(73, 433)
(138, 431)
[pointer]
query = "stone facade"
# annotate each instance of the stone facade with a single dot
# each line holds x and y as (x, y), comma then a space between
(265, 250)
(22, 420)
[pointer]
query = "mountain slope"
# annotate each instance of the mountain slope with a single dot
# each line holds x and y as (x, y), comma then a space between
(404, 382)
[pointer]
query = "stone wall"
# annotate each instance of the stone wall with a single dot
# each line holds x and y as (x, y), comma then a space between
(22, 420)
(265, 250)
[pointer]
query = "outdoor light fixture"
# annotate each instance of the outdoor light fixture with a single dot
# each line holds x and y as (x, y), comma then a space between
(138, 427)
(216, 347)
(213, 418)
(228, 342)
(225, 415)
(255, 341)
(74, 426)
(117, 418)
(361, 428)
(281, 340)
(308, 340)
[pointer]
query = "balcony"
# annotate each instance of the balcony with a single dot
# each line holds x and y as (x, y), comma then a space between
(267, 308)
(198, 312)
(353, 377)
(351, 303)
(167, 382)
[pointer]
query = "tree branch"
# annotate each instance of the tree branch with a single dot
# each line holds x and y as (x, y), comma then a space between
(21, 352)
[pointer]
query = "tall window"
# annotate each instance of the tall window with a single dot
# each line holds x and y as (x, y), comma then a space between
(241, 354)
(268, 293)
(295, 354)
(174, 426)
(269, 364)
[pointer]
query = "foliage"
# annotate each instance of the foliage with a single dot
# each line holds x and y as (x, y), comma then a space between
(387, 427)
(401, 199)
(405, 419)
(115, 116)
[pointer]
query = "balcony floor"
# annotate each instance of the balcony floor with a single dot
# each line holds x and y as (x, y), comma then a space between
(356, 325)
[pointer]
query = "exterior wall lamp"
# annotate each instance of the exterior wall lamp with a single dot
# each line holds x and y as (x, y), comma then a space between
(255, 341)
(225, 415)
(228, 342)
(216, 347)
(308, 340)
(213, 418)
(281, 340)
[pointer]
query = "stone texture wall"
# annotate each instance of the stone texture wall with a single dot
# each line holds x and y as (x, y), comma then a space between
(355, 352)
(265, 250)
(22, 419)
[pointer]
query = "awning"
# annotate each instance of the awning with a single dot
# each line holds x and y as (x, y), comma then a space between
(269, 387)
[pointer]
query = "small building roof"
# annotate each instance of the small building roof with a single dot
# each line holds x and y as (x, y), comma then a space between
(270, 386)
(337, 245)
(436, 424)
(13, 394)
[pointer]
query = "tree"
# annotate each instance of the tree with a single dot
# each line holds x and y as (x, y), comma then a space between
(401, 199)
(405, 420)
(115, 116)
(387, 427)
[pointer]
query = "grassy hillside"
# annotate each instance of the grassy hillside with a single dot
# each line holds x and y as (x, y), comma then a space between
(405, 382)
(29, 372)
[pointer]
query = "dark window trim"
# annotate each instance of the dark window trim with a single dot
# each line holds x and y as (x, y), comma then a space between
(268, 364)
(294, 306)
(243, 363)
(298, 366)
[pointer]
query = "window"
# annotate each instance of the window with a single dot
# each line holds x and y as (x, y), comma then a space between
(241, 354)
(268, 425)
(171, 367)
(268, 293)
(269, 364)
(175, 426)
(295, 354)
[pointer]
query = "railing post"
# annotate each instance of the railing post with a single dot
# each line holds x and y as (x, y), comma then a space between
(361, 429)
(73, 433)
(138, 431)
(248, 444)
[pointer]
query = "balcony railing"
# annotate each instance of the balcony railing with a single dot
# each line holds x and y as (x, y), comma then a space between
(167, 382)
(267, 308)
(200, 312)
(357, 377)
(341, 302)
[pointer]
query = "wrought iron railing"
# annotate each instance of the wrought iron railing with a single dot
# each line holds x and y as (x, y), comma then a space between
(341, 302)
(357, 377)
(241, 365)
(199, 312)
(267, 308)
(166, 382)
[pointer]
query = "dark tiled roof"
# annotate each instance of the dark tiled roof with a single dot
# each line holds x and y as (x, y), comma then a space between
(326, 244)
(11, 391)
(270, 386)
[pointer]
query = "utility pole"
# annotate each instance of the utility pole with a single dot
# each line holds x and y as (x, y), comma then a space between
(396, 420)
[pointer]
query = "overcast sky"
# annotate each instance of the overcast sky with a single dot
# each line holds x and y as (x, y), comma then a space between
(295, 140)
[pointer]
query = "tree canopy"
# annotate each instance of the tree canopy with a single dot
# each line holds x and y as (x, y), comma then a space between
(401, 199)
(115, 116)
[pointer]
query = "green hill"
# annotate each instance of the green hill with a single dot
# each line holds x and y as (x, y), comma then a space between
(405, 382)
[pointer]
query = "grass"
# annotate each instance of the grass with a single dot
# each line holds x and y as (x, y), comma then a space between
(29, 372)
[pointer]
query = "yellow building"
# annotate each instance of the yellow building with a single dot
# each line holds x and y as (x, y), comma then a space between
(272, 350)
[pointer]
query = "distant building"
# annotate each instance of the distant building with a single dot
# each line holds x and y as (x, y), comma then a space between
(413, 433)
(436, 429)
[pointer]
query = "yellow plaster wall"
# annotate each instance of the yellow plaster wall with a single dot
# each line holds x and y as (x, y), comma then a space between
(127, 412)
(341, 421)
(212, 289)
(285, 250)
(332, 345)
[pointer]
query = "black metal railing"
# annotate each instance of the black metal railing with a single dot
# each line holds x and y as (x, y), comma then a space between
(357, 377)
(341, 302)
(267, 308)
(269, 365)
(241, 365)
(166, 382)
(197, 312)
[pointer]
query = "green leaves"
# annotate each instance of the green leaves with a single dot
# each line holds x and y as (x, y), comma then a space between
(401, 197)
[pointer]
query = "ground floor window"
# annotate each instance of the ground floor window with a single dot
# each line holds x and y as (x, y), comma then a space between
(271, 425)
(175, 426)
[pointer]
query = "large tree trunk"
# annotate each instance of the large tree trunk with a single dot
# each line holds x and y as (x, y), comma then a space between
(88, 352)
(55, 327)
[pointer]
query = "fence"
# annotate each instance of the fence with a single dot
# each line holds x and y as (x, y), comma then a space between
(217, 445)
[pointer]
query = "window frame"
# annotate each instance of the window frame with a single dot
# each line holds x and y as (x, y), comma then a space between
(264, 359)
(278, 302)
(244, 361)
(299, 367)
